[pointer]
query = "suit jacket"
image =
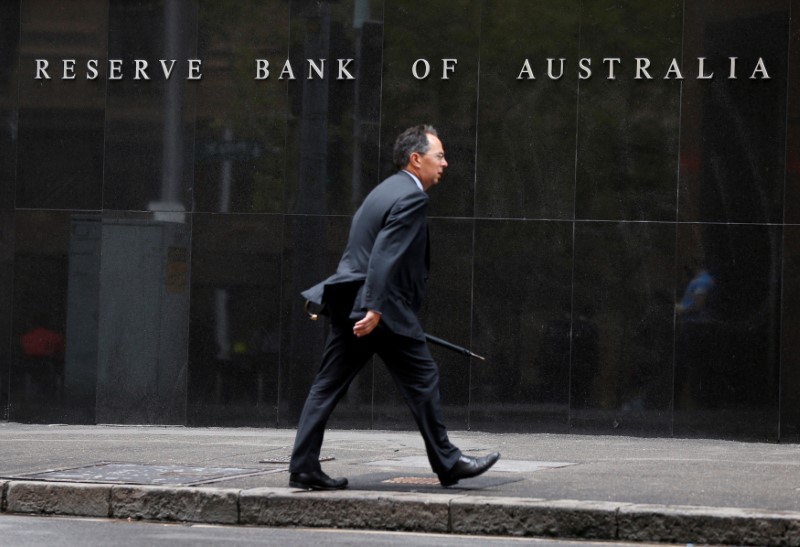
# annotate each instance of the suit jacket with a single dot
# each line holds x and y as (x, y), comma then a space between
(385, 264)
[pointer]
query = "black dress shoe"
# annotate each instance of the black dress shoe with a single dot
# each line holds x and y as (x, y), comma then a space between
(467, 467)
(316, 480)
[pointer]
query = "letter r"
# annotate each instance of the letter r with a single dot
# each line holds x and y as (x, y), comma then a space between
(41, 69)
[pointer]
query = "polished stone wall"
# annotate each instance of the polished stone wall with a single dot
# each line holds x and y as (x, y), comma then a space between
(623, 250)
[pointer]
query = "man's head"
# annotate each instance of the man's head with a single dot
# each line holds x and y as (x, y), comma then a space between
(418, 150)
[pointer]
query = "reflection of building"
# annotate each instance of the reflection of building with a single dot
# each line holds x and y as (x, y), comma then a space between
(165, 228)
(127, 341)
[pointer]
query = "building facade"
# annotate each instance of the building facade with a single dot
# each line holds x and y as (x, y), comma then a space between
(618, 231)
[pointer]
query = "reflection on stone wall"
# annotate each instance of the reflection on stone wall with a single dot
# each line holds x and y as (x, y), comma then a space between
(620, 246)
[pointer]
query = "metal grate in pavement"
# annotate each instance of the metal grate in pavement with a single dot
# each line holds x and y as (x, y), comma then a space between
(286, 459)
(134, 473)
(426, 481)
(398, 481)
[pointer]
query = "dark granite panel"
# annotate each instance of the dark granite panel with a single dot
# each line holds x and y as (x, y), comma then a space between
(792, 200)
(83, 318)
(445, 314)
(234, 345)
(9, 54)
(367, 123)
(6, 309)
(790, 342)
(41, 283)
(790, 301)
(332, 138)
(241, 119)
(527, 127)
(627, 127)
(312, 249)
(143, 314)
(622, 310)
(418, 29)
(55, 317)
(60, 123)
(521, 323)
(733, 131)
(149, 126)
(728, 330)
(9, 94)
(8, 158)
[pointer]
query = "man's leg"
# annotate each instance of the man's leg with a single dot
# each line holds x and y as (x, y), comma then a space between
(415, 372)
(344, 356)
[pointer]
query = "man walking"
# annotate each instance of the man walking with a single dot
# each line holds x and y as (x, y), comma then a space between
(373, 300)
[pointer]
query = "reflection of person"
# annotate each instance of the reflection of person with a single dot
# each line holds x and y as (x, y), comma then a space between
(372, 300)
(42, 359)
(42, 342)
(698, 333)
(695, 298)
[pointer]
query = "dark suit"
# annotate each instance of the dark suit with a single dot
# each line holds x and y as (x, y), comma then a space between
(383, 268)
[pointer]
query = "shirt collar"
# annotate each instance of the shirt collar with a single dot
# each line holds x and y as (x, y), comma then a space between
(416, 180)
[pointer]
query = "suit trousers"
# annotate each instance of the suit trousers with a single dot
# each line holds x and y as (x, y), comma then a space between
(414, 371)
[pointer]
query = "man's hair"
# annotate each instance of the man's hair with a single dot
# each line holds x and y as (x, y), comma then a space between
(413, 139)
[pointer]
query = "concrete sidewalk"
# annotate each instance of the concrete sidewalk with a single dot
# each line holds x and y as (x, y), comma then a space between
(616, 488)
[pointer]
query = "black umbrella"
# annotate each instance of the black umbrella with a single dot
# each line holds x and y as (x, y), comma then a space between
(449, 345)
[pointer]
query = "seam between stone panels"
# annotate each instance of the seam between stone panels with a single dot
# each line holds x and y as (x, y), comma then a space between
(112, 492)
(111, 501)
(4, 497)
(450, 516)
(238, 507)
(108, 501)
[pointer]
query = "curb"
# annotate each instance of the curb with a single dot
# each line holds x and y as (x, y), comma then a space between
(401, 511)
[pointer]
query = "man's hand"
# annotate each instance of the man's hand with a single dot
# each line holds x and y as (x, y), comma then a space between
(366, 325)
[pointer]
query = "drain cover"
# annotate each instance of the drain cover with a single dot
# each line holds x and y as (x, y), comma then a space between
(419, 482)
(427, 481)
(132, 473)
(287, 459)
